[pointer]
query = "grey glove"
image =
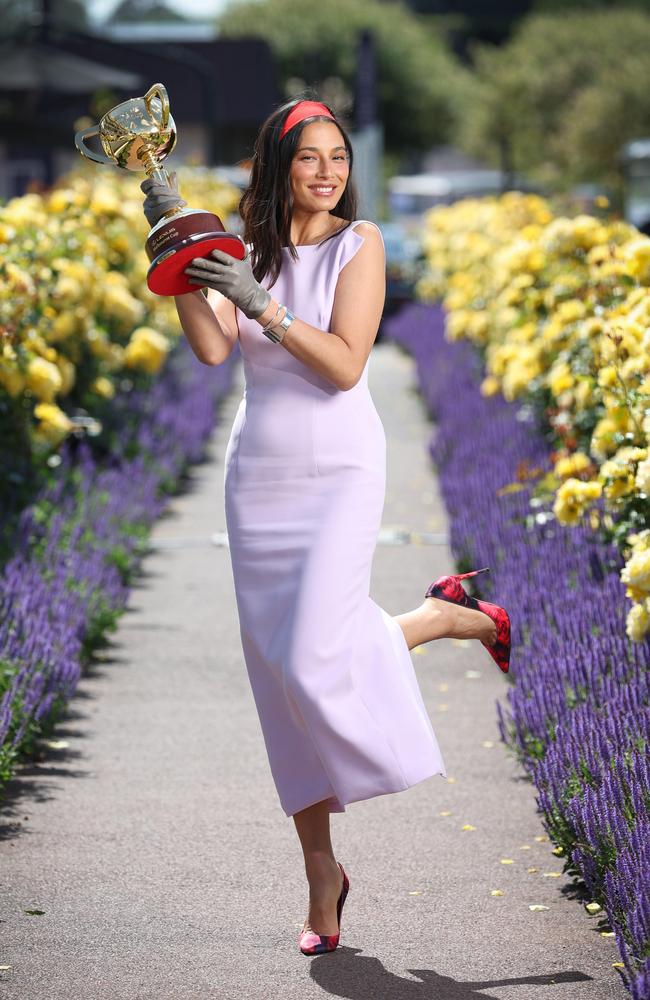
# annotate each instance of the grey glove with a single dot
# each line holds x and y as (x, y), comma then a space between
(160, 198)
(233, 278)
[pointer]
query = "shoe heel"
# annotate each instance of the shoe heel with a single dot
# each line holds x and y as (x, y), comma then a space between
(474, 572)
(500, 651)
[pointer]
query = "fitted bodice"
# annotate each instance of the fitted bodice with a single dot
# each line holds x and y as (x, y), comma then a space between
(307, 286)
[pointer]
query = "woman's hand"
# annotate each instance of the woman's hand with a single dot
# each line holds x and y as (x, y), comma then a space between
(160, 198)
(233, 278)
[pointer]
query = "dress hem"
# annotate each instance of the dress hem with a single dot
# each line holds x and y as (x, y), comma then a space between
(363, 798)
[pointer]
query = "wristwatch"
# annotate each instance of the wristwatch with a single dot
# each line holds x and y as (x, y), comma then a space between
(282, 326)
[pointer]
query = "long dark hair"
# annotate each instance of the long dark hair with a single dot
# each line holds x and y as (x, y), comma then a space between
(266, 203)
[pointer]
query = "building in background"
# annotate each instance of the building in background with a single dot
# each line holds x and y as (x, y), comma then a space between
(51, 78)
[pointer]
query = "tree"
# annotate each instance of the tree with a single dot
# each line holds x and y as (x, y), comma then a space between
(145, 10)
(315, 41)
(564, 94)
(20, 14)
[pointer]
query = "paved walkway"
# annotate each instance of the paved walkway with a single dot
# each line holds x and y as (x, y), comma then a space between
(155, 844)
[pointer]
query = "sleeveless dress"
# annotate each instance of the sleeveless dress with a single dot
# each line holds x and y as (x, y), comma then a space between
(339, 704)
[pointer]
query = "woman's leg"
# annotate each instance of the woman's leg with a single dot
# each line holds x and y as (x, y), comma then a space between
(323, 873)
(437, 619)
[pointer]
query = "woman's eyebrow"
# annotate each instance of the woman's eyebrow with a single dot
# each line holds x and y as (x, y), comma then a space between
(315, 148)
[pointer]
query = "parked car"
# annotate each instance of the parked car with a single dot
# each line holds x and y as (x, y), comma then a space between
(404, 258)
(635, 157)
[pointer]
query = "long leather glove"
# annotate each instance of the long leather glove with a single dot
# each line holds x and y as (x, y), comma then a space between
(160, 198)
(233, 278)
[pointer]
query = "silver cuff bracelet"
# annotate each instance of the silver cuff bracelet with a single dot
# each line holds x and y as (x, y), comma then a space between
(282, 326)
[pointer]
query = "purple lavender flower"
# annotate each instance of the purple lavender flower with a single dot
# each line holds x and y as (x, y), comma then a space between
(577, 714)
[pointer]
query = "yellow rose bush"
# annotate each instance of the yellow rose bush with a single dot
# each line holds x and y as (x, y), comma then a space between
(560, 309)
(76, 317)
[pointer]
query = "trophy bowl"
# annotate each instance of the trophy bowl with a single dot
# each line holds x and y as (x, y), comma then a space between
(138, 135)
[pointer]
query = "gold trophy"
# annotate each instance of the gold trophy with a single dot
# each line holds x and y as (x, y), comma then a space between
(137, 135)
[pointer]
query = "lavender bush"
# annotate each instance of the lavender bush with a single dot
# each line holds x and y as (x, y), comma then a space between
(78, 544)
(577, 714)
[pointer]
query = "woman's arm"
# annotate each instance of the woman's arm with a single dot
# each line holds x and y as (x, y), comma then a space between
(210, 324)
(358, 305)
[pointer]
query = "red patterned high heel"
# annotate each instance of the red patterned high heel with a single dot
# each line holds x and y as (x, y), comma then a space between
(449, 588)
(312, 943)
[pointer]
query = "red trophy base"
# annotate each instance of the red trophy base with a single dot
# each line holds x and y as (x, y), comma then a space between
(174, 242)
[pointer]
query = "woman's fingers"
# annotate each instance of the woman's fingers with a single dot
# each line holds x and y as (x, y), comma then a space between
(208, 265)
(223, 258)
(204, 272)
(206, 278)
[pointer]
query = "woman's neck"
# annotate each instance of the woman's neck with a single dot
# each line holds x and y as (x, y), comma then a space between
(309, 228)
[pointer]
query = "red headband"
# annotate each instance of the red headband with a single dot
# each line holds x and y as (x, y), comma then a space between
(302, 110)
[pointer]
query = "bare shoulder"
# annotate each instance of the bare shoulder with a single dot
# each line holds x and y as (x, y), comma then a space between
(369, 230)
(370, 251)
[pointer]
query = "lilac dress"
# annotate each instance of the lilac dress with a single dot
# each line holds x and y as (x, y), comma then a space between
(305, 471)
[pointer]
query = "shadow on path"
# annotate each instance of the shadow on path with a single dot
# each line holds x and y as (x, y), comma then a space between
(361, 978)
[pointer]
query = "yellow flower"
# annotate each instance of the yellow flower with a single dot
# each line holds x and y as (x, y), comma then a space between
(146, 350)
(60, 200)
(11, 379)
(637, 624)
(593, 327)
(583, 393)
(636, 573)
(43, 379)
(642, 480)
(119, 304)
(67, 289)
(63, 326)
(571, 464)
(456, 325)
(103, 387)
(68, 374)
(570, 311)
(478, 326)
(572, 499)
(517, 379)
(7, 233)
(618, 473)
(19, 281)
(602, 439)
(489, 386)
(54, 423)
(640, 540)
(620, 483)
(607, 376)
(104, 200)
(560, 378)
(636, 254)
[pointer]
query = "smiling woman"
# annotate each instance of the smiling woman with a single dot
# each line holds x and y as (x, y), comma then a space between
(323, 174)
(305, 472)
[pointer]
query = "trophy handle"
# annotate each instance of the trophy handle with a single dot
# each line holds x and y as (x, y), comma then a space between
(159, 91)
(85, 151)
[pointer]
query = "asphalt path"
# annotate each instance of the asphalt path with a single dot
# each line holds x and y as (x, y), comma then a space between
(153, 842)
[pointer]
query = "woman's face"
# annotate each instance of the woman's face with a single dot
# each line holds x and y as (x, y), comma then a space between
(320, 168)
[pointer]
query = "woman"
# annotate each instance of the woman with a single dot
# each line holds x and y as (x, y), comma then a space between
(339, 704)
